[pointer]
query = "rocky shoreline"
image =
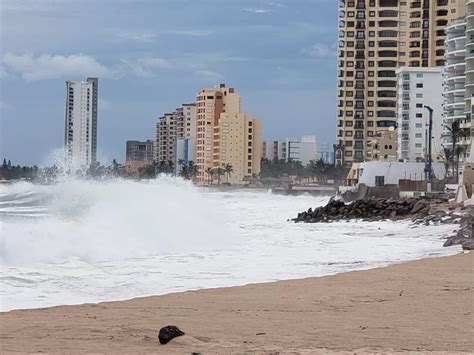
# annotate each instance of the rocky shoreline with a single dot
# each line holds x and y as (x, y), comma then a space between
(427, 211)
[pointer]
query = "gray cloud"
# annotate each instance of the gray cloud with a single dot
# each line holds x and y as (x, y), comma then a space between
(256, 11)
(320, 50)
(28, 5)
(53, 66)
(142, 37)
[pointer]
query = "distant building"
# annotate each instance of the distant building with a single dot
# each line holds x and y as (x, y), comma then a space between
(271, 150)
(185, 135)
(80, 128)
(381, 145)
(165, 138)
(210, 103)
(140, 151)
(175, 135)
(417, 88)
(302, 149)
(238, 142)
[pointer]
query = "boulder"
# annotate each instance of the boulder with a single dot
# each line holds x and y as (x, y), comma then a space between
(468, 244)
(420, 205)
(169, 332)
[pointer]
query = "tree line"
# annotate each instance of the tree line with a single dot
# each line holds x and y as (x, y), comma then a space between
(316, 170)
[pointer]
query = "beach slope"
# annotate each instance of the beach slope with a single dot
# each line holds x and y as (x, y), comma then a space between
(425, 305)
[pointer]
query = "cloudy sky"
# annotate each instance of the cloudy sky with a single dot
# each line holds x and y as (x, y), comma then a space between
(152, 55)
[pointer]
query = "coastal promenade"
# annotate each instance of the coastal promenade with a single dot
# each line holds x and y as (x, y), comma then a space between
(419, 306)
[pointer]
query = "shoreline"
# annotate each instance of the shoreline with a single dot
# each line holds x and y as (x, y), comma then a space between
(422, 305)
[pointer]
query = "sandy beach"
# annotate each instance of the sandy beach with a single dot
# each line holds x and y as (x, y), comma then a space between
(419, 306)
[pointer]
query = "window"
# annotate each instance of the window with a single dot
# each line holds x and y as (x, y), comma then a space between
(419, 125)
(418, 135)
(419, 95)
(418, 145)
(419, 85)
(419, 115)
(419, 75)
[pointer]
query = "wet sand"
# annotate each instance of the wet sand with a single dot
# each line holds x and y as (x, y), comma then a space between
(425, 305)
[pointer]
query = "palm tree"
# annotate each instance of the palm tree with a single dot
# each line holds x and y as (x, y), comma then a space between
(312, 168)
(228, 169)
(192, 170)
(455, 132)
(219, 172)
(210, 173)
(446, 156)
(182, 164)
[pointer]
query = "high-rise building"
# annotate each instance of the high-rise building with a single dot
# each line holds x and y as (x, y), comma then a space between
(165, 138)
(376, 38)
(468, 123)
(238, 142)
(210, 103)
(171, 129)
(185, 135)
(459, 85)
(80, 128)
(417, 88)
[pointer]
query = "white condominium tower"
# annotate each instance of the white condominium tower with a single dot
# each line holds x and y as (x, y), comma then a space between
(80, 130)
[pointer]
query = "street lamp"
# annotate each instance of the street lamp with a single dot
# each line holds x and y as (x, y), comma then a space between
(428, 164)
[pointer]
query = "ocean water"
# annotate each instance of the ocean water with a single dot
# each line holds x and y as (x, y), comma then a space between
(81, 241)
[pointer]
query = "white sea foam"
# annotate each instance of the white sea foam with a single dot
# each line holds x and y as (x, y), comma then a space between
(81, 241)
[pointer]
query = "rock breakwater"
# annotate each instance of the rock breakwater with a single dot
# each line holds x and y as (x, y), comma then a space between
(419, 210)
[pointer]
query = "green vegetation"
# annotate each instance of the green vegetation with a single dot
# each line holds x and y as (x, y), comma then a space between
(317, 170)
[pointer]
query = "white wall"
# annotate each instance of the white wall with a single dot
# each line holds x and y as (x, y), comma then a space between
(432, 95)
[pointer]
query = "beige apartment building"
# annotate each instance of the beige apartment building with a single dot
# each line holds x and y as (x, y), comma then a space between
(376, 37)
(172, 127)
(210, 104)
(238, 142)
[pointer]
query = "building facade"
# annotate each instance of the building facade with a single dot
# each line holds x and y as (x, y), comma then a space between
(80, 128)
(140, 151)
(302, 149)
(237, 141)
(210, 104)
(417, 88)
(172, 129)
(459, 85)
(165, 139)
(375, 39)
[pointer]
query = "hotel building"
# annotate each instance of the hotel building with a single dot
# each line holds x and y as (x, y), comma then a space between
(210, 104)
(237, 141)
(375, 39)
(172, 129)
(80, 127)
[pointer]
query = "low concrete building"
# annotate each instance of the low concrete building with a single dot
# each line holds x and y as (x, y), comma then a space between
(137, 150)
(380, 173)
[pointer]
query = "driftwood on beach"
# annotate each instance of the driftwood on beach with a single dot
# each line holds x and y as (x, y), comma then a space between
(419, 210)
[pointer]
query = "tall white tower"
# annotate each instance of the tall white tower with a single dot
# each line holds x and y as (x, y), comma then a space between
(80, 129)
